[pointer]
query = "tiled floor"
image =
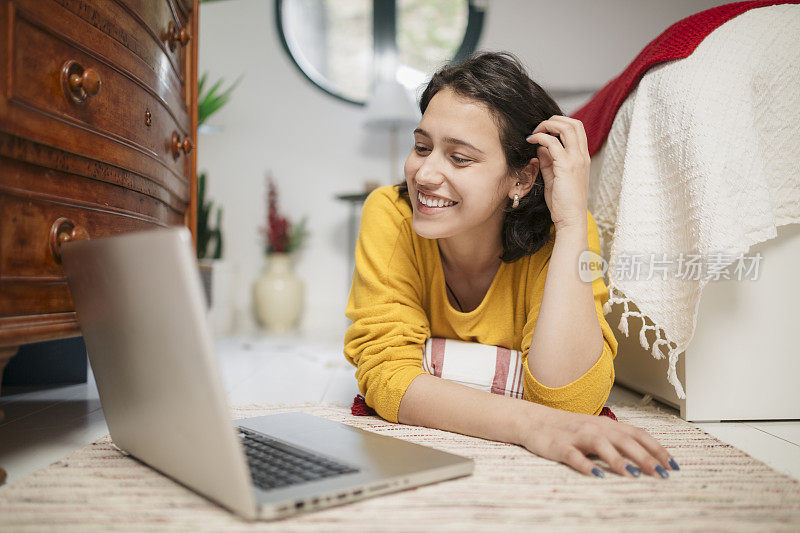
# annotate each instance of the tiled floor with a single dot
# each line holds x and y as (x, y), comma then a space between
(45, 425)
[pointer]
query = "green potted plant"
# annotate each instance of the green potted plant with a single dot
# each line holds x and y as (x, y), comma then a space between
(278, 292)
(205, 233)
(212, 100)
(214, 270)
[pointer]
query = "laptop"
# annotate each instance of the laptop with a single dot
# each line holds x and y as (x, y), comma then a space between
(142, 311)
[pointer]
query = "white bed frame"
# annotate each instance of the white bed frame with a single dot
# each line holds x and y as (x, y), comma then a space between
(743, 362)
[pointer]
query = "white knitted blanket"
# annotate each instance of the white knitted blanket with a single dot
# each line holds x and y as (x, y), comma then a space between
(703, 159)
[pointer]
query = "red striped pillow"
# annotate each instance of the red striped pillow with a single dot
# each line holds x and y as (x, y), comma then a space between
(491, 368)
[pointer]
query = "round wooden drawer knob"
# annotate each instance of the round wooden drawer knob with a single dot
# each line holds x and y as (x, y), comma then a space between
(176, 36)
(178, 145)
(64, 230)
(79, 83)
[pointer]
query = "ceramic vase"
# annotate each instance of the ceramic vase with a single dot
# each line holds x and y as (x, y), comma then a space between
(278, 294)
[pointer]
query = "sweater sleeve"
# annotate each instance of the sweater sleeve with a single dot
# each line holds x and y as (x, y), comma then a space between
(389, 326)
(588, 393)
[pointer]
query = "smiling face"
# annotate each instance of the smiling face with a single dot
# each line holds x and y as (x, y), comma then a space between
(457, 157)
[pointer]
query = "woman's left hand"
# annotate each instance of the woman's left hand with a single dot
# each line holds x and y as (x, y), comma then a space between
(565, 168)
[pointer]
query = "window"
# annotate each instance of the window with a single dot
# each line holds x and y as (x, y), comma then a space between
(343, 45)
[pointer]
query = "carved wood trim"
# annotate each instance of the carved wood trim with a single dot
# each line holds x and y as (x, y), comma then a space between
(38, 328)
(191, 213)
(88, 206)
(50, 157)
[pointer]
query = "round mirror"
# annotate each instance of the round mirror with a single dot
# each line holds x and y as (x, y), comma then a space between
(333, 42)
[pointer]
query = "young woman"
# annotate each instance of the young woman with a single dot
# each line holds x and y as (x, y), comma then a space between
(482, 243)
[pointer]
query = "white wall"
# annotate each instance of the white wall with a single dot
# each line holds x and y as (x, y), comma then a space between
(578, 44)
(315, 145)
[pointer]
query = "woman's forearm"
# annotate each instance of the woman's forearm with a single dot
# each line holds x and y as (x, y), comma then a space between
(441, 404)
(567, 339)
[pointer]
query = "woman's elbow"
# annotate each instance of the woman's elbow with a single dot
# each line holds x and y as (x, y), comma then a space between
(587, 394)
(603, 380)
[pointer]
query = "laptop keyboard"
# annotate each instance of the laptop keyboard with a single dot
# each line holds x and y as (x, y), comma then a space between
(276, 464)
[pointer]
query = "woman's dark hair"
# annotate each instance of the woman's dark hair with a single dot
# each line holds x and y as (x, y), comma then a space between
(518, 105)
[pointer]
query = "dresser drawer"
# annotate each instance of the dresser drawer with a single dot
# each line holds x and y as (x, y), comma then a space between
(149, 30)
(33, 198)
(164, 24)
(38, 221)
(121, 110)
(38, 213)
(29, 255)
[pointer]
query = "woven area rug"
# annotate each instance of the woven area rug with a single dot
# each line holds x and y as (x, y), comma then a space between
(719, 488)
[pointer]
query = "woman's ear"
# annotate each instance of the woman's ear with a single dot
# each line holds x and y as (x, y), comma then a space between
(532, 169)
(528, 174)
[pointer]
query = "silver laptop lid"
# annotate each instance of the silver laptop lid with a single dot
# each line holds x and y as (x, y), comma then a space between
(153, 359)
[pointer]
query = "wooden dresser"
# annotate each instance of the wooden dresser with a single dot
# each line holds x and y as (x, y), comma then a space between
(98, 113)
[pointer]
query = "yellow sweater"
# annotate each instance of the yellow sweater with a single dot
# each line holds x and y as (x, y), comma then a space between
(398, 300)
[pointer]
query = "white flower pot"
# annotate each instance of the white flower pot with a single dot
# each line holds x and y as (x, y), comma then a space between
(278, 294)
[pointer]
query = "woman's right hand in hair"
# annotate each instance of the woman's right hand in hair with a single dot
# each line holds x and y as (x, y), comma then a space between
(570, 438)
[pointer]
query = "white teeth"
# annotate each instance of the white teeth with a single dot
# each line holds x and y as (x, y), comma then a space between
(430, 202)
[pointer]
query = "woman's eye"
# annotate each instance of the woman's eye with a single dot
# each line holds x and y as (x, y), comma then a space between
(460, 160)
(420, 149)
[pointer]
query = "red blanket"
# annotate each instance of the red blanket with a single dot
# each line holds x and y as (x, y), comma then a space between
(677, 42)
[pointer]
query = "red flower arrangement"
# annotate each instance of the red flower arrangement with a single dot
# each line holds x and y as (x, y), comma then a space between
(280, 236)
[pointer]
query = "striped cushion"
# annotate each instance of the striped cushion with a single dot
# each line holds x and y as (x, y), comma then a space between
(491, 368)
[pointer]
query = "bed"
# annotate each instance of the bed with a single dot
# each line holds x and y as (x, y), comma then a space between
(702, 162)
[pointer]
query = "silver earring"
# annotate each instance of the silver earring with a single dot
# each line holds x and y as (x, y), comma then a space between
(516, 202)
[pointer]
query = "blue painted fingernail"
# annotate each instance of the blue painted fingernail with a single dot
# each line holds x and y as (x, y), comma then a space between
(635, 472)
(673, 464)
(597, 472)
(662, 471)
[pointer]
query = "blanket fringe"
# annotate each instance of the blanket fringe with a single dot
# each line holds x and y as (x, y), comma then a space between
(360, 407)
(615, 296)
